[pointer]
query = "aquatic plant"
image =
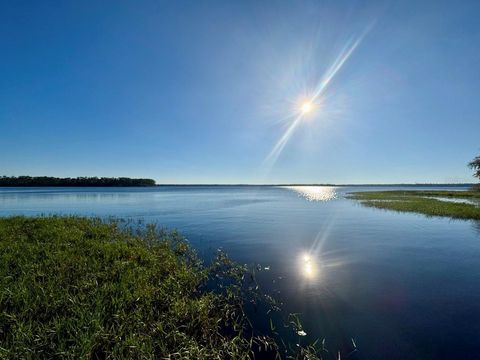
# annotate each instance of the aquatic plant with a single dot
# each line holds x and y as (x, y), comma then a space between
(427, 202)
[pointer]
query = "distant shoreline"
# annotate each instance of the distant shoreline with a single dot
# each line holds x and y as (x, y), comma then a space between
(409, 184)
(236, 185)
(50, 181)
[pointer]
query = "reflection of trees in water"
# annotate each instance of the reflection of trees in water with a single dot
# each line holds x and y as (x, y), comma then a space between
(476, 226)
(63, 196)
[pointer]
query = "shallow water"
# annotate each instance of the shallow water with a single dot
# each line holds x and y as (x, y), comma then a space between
(475, 202)
(404, 286)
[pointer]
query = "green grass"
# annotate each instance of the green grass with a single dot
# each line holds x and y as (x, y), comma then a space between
(78, 288)
(421, 202)
(81, 288)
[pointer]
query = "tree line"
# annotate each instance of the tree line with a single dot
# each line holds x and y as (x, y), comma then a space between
(78, 181)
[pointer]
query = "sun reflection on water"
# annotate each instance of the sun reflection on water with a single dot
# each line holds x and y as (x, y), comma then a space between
(315, 193)
(308, 266)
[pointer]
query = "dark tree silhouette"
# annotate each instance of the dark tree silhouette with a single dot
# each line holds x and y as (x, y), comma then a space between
(79, 181)
(475, 165)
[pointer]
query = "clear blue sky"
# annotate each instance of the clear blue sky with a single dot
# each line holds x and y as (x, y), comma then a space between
(201, 91)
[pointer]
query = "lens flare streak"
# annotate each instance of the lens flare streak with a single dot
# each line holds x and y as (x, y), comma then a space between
(308, 104)
(336, 66)
(277, 149)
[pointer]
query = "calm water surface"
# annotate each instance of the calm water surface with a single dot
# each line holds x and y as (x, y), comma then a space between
(404, 286)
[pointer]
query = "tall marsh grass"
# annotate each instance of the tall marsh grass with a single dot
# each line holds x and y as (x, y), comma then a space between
(79, 288)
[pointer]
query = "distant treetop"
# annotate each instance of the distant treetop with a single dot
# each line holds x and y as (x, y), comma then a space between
(475, 165)
(79, 181)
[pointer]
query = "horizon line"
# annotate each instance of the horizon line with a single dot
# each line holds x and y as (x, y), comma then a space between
(315, 184)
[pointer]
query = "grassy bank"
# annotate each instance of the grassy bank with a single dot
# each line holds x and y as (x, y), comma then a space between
(81, 288)
(422, 202)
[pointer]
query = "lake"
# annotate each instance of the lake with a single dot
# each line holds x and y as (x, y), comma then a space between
(403, 286)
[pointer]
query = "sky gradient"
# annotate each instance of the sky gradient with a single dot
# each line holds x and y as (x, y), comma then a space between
(201, 92)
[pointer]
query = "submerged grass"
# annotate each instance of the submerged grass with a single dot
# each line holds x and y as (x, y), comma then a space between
(422, 202)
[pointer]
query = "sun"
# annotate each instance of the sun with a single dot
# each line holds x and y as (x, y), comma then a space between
(306, 107)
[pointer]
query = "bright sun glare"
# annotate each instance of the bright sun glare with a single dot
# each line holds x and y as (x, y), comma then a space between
(308, 267)
(306, 107)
